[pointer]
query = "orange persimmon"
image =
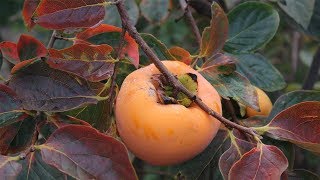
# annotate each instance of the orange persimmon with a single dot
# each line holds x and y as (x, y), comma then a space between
(265, 105)
(164, 134)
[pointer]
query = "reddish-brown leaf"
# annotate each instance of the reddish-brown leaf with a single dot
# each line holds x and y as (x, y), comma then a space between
(9, 167)
(29, 8)
(65, 14)
(219, 64)
(9, 52)
(92, 62)
(214, 36)
(107, 34)
(238, 147)
(299, 124)
(29, 47)
(83, 152)
(262, 162)
(181, 54)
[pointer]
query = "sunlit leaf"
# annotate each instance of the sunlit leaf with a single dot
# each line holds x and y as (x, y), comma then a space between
(262, 162)
(29, 8)
(238, 147)
(292, 98)
(9, 52)
(107, 34)
(233, 85)
(260, 72)
(89, 155)
(155, 11)
(91, 62)
(299, 124)
(251, 26)
(181, 54)
(42, 88)
(214, 36)
(219, 64)
(64, 14)
(9, 167)
(157, 46)
(28, 47)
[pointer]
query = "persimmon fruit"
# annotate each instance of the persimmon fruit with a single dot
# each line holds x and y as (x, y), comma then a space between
(265, 105)
(164, 134)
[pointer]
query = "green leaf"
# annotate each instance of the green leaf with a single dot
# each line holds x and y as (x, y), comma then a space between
(214, 36)
(42, 88)
(251, 26)
(301, 11)
(234, 85)
(155, 11)
(157, 46)
(297, 174)
(292, 98)
(260, 72)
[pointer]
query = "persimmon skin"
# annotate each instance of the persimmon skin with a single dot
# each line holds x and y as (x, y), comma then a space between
(265, 105)
(164, 134)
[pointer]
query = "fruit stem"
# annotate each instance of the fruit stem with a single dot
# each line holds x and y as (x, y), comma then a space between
(128, 26)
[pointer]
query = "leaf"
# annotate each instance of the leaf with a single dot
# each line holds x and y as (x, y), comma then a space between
(157, 46)
(181, 54)
(299, 124)
(107, 34)
(314, 25)
(9, 168)
(28, 48)
(255, 121)
(112, 16)
(219, 64)
(9, 52)
(214, 36)
(56, 121)
(251, 26)
(297, 174)
(233, 85)
(300, 11)
(64, 14)
(89, 155)
(292, 98)
(91, 62)
(238, 147)
(42, 88)
(33, 167)
(29, 8)
(10, 107)
(260, 72)
(155, 11)
(264, 162)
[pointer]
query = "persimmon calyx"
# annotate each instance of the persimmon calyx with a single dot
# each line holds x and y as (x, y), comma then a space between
(167, 94)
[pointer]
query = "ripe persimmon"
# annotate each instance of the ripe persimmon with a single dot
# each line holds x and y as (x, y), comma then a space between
(164, 134)
(265, 105)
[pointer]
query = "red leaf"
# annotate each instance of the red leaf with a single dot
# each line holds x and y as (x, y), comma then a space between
(29, 8)
(264, 162)
(83, 152)
(219, 64)
(299, 124)
(238, 147)
(103, 34)
(9, 167)
(20, 65)
(181, 54)
(10, 52)
(65, 14)
(214, 36)
(28, 48)
(91, 62)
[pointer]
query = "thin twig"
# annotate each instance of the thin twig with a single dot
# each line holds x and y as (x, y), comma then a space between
(126, 22)
(52, 39)
(230, 109)
(312, 76)
(191, 20)
(294, 53)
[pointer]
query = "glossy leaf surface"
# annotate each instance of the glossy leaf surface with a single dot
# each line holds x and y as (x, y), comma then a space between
(157, 46)
(28, 47)
(181, 54)
(219, 64)
(9, 52)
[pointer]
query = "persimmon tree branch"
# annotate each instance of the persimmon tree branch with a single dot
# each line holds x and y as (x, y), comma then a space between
(312, 75)
(52, 39)
(126, 23)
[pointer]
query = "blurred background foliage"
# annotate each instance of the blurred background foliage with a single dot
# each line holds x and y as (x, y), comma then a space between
(291, 51)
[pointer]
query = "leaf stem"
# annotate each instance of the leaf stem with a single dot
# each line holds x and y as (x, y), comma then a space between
(126, 23)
